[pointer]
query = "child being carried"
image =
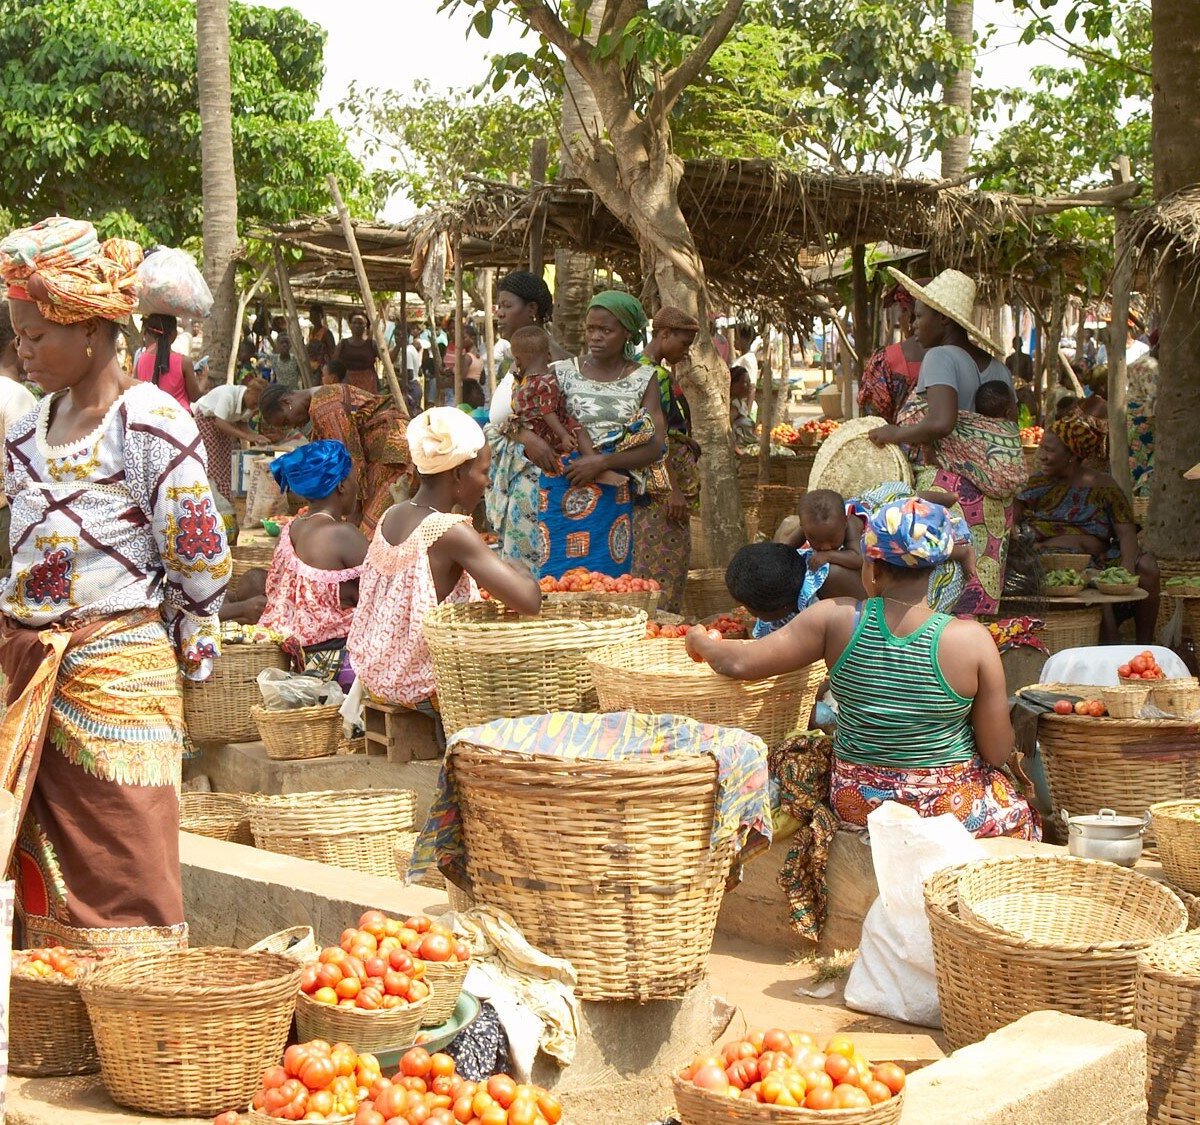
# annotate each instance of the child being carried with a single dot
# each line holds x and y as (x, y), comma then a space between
(538, 402)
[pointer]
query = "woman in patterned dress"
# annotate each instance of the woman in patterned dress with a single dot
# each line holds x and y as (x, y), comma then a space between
(119, 567)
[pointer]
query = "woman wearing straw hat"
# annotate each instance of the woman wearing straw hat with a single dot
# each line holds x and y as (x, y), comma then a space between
(984, 465)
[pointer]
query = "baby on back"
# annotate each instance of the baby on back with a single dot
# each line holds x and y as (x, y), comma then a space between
(538, 401)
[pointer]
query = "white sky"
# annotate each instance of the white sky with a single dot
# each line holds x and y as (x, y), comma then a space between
(393, 46)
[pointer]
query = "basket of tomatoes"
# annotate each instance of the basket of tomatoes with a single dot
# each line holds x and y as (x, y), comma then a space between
(49, 1032)
(368, 992)
(777, 1076)
(317, 1081)
(580, 584)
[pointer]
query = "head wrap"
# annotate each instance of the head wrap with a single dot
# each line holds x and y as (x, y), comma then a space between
(629, 313)
(442, 438)
(314, 470)
(528, 287)
(61, 266)
(898, 295)
(674, 318)
(1080, 433)
(910, 532)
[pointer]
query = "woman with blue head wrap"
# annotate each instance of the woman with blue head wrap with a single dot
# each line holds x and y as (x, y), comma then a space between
(922, 702)
(312, 587)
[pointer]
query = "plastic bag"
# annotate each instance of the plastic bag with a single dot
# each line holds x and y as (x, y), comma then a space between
(893, 975)
(282, 690)
(168, 282)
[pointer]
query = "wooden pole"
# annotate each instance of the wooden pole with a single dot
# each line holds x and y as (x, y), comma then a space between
(766, 413)
(1118, 329)
(402, 330)
(364, 286)
(489, 331)
(862, 326)
(459, 335)
(295, 332)
(243, 301)
(539, 159)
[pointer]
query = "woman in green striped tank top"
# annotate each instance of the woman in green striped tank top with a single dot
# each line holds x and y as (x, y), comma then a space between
(922, 703)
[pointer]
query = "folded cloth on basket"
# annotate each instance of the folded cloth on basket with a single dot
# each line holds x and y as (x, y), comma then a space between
(742, 807)
(1015, 632)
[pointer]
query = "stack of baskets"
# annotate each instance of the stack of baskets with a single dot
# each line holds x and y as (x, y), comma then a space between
(706, 594)
(358, 829)
(1168, 996)
(774, 503)
(606, 863)
(491, 663)
(658, 677)
(222, 816)
(293, 733)
(1021, 934)
(189, 1033)
(49, 1034)
(218, 709)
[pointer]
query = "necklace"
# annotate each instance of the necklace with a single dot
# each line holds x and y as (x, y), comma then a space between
(427, 507)
(309, 515)
(898, 601)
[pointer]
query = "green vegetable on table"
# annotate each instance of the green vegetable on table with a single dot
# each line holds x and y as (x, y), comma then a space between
(1116, 576)
(1063, 578)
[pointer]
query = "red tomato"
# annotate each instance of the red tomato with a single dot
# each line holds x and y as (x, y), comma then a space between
(549, 1107)
(229, 1117)
(436, 947)
(711, 1077)
(415, 1063)
(441, 1065)
(420, 923)
(819, 1098)
(850, 1097)
(742, 1073)
(776, 1040)
(317, 1072)
(837, 1067)
(891, 1075)
(502, 1088)
(400, 960)
(369, 1115)
(1062, 707)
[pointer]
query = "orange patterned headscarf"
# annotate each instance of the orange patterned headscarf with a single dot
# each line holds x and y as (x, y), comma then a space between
(61, 266)
(1081, 434)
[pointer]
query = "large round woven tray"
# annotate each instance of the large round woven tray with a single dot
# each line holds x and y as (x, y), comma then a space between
(700, 1107)
(849, 462)
(364, 1031)
(1168, 997)
(299, 732)
(657, 677)
(706, 594)
(607, 864)
(218, 709)
(1121, 764)
(222, 816)
(49, 1033)
(1176, 830)
(490, 663)
(356, 828)
(189, 1033)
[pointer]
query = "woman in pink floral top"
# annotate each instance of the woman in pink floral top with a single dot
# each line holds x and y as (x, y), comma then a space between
(422, 555)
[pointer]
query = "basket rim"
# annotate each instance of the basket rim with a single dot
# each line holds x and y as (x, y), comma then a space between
(97, 985)
(1167, 809)
(790, 1113)
(620, 658)
(301, 800)
(369, 1015)
(294, 714)
(660, 763)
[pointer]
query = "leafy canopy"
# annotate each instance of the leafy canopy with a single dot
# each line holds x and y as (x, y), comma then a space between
(101, 118)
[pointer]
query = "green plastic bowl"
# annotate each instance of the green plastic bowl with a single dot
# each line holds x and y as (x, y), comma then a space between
(270, 527)
(466, 1011)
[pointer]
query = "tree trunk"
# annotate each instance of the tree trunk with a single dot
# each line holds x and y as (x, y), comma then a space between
(1174, 523)
(218, 181)
(956, 140)
(574, 283)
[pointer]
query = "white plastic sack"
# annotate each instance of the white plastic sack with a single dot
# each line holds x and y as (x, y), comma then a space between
(282, 690)
(893, 975)
(169, 283)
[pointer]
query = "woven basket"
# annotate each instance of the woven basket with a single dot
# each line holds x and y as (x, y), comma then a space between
(1065, 560)
(706, 594)
(987, 979)
(296, 943)
(774, 504)
(850, 463)
(490, 663)
(1177, 835)
(657, 677)
(1141, 509)
(406, 843)
(1176, 568)
(218, 710)
(253, 1117)
(446, 979)
(1032, 463)
(607, 864)
(222, 816)
(49, 1033)
(646, 600)
(378, 1030)
(1062, 591)
(299, 732)
(1125, 701)
(1121, 764)
(1176, 697)
(189, 1033)
(1168, 997)
(1117, 589)
(356, 828)
(255, 554)
(700, 1107)
(1072, 628)
(1191, 903)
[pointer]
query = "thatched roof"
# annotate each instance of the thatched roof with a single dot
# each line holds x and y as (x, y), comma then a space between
(1167, 233)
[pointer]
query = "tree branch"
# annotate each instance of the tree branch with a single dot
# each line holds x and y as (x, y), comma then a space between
(676, 81)
(540, 17)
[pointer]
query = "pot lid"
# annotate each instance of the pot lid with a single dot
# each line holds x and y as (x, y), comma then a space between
(1107, 818)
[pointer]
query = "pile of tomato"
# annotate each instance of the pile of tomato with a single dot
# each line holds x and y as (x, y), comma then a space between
(726, 625)
(317, 1081)
(581, 581)
(1093, 708)
(786, 1068)
(426, 1090)
(55, 962)
(1141, 667)
(425, 938)
(1032, 435)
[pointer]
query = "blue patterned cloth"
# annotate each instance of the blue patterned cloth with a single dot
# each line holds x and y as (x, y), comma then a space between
(588, 525)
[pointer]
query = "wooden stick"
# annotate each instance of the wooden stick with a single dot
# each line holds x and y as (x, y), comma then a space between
(459, 334)
(766, 413)
(1118, 335)
(295, 332)
(489, 330)
(539, 158)
(360, 271)
(243, 301)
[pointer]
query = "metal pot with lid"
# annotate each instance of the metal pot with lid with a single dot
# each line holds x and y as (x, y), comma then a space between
(1106, 835)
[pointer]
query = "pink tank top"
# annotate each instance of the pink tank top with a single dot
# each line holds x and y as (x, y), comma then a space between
(304, 601)
(172, 382)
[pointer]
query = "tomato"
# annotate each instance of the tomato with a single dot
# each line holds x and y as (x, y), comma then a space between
(462, 951)
(502, 1088)
(463, 1110)
(320, 1101)
(328, 975)
(420, 923)
(396, 984)
(494, 1115)
(1081, 707)
(1096, 709)
(436, 947)
(415, 1063)
(1124, 670)
(374, 922)
(441, 1065)
(354, 967)
(837, 1067)
(776, 1040)
(711, 1077)
(891, 1075)
(1062, 707)
(522, 1112)
(440, 1116)
(317, 1072)
(850, 1097)
(742, 1073)
(400, 960)
(876, 1091)
(348, 988)
(817, 1079)
(418, 990)
(369, 1000)
(1139, 664)
(819, 1098)
(770, 1061)
(229, 1117)
(392, 1101)
(369, 1115)
(308, 978)
(345, 1059)
(737, 1049)
(549, 1107)
(375, 966)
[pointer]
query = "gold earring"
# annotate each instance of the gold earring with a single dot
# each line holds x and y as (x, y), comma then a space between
(89, 351)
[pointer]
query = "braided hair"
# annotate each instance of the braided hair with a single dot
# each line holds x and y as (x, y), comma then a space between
(164, 328)
(529, 288)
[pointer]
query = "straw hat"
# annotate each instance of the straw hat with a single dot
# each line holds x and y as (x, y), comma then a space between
(952, 294)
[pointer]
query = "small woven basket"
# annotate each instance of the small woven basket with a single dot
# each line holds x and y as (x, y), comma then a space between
(775, 503)
(222, 816)
(218, 709)
(299, 732)
(706, 594)
(657, 677)
(1065, 560)
(1176, 827)
(378, 1030)
(1168, 997)
(1177, 697)
(356, 828)
(1117, 589)
(189, 1033)
(253, 1117)
(446, 979)
(49, 1033)
(1071, 628)
(1125, 701)
(1062, 591)
(701, 1107)
(491, 663)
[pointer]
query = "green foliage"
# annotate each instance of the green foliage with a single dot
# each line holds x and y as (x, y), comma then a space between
(433, 141)
(101, 120)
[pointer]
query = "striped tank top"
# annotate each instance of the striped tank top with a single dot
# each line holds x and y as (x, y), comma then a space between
(895, 708)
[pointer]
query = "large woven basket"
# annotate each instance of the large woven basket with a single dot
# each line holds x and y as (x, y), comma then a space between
(774, 503)
(607, 864)
(299, 732)
(850, 463)
(189, 1033)
(1168, 998)
(356, 828)
(646, 600)
(218, 710)
(701, 1107)
(222, 816)
(1070, 628)
(1122, 764)
(657, 677)
(378, 1030)
(446, 979)
(986, 978)
(1065, 560)
(49, 1033)
(1176, 827)
(706, 594)
(1175, 568)
(490, 663)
